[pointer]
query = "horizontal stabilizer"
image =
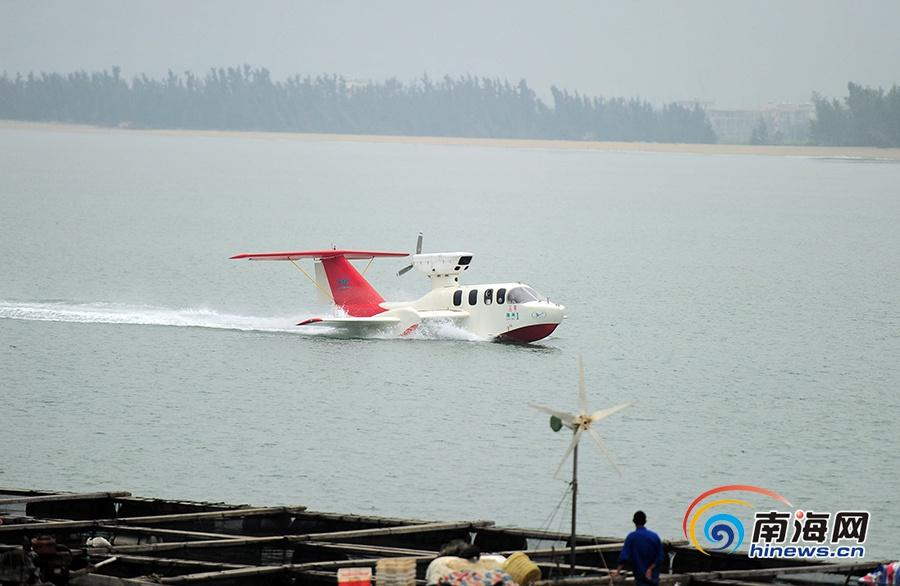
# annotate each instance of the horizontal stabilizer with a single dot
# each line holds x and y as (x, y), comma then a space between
(317, 254)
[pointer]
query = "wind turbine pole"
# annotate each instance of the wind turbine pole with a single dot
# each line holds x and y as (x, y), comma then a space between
(574, 502)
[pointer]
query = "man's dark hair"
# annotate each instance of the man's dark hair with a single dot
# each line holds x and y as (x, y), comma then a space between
(639, 518)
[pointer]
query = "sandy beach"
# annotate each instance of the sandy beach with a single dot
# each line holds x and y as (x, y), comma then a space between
(705, 149)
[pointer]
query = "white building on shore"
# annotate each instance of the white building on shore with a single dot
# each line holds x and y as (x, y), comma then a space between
(784, 123)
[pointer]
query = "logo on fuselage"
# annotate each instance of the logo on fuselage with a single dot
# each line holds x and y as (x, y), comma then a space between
(343, 283)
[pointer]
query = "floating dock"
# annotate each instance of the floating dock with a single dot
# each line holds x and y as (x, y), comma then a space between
(158, 541)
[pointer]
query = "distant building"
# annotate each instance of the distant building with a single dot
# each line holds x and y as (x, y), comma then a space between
(785, 123)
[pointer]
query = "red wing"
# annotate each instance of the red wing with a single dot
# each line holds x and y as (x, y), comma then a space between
(316, 254)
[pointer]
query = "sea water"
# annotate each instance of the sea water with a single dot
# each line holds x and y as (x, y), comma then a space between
(750, 305)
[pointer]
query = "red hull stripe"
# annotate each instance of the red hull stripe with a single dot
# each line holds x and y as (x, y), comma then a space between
(528, 333)
(323, 254)
(409, 330)
(312, 320)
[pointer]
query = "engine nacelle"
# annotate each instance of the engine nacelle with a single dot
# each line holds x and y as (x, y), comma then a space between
(442, 267)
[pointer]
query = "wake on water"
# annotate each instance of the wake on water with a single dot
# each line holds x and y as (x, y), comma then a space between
(148, 315)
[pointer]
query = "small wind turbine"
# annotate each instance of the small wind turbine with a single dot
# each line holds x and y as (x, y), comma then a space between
(579, 424)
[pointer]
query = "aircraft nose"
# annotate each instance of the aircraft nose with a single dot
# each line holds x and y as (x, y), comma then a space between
(556, 311)
(548, 312)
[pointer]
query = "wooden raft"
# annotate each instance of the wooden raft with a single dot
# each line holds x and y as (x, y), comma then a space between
(158, 541)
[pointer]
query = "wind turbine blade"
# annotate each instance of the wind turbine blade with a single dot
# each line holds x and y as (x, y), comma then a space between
(582, 390)
(566, 418)
(601, 413)
(419, 244)
(404, 270)
(575, 437)
(604, 450)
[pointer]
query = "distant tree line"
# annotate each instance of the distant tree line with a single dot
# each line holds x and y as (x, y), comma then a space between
(246, 98)
(866, 117)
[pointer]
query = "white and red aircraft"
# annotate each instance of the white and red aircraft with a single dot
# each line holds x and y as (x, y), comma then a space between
(511, 312)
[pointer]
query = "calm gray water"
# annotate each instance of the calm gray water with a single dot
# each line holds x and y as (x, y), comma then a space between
(751, 305)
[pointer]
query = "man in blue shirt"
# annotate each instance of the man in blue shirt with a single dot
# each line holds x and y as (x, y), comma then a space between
(643, 551)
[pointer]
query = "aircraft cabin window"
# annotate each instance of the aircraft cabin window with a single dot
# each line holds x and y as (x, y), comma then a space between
(522, 295)
(457, 297)
(488, 296)
(473, 296)
(501, 296)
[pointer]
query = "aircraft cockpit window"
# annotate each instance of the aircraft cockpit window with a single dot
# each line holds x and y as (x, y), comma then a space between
(488, 296)
(473, 296)
(522, 295)
(501, 296)
(457, 297)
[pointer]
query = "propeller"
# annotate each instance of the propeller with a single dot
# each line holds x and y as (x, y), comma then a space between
(581, 422)
(407, 268)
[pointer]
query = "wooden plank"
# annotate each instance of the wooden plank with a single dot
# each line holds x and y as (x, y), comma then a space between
(63, 496)
(26, 491)
(178, 517)
(180, 502)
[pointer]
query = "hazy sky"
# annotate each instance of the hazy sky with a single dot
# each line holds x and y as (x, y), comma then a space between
(737, 53)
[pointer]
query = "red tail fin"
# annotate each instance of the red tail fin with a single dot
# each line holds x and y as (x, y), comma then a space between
(349, 289)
